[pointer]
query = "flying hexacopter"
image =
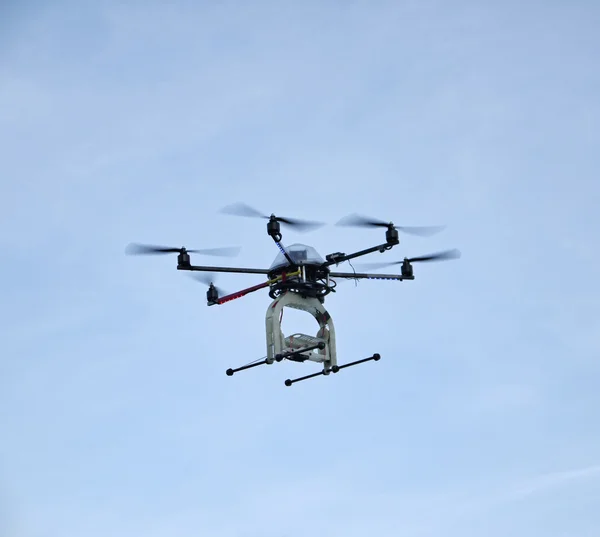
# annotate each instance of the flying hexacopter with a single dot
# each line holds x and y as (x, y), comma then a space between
(300, 278)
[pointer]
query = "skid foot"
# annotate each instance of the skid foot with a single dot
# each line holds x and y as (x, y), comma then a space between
(231, 371)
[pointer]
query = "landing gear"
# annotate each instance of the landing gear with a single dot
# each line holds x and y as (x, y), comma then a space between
(293, 356)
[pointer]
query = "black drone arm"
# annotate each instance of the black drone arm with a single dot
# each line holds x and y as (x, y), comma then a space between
(337, 258)
(238, 270)
(283, 250)
(367, 276)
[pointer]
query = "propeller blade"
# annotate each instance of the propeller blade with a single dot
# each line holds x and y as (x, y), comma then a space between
(300, 225)
(142, 249)
(208, 278)
(147, 249)
(242, 209)
(357, 220)
(439, 256)
(422, 231)
(218, 252)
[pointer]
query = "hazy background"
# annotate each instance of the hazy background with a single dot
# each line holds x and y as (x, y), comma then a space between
(137, 121)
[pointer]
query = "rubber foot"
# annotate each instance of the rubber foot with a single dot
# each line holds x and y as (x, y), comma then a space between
(288, 382)
(229, 372)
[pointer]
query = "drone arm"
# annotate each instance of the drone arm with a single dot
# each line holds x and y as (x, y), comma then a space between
(223, 269)
(244, 292)
(283, 251)
(336, 259)
(239, 294)
(367, 276)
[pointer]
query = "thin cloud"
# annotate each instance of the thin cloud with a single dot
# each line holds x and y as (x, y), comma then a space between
(555, 479)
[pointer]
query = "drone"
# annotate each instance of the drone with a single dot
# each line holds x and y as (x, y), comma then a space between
(300, 278)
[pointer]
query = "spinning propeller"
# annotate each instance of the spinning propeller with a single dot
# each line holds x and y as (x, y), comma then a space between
(357, 220)
(241, 209)
(145, 249)
(208, 279)
(439, 256)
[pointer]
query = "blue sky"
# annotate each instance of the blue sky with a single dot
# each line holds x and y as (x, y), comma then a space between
(137, 121)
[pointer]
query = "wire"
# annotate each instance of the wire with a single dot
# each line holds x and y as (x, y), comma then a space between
(355, 278)
(254, 361)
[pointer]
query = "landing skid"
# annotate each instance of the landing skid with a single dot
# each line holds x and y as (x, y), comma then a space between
(296, 356)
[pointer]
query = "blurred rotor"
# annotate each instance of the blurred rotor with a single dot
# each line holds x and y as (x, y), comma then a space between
(147, 249)
(241, 209)
(208, 279)
(357, 220)
(446, 255)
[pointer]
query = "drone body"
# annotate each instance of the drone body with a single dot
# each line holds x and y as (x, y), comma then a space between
(299, 278)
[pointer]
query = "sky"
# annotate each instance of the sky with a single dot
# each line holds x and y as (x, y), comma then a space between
(137, 121)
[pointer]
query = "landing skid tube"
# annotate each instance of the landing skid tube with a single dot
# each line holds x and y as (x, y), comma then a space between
(295, 356)
(334, 369)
